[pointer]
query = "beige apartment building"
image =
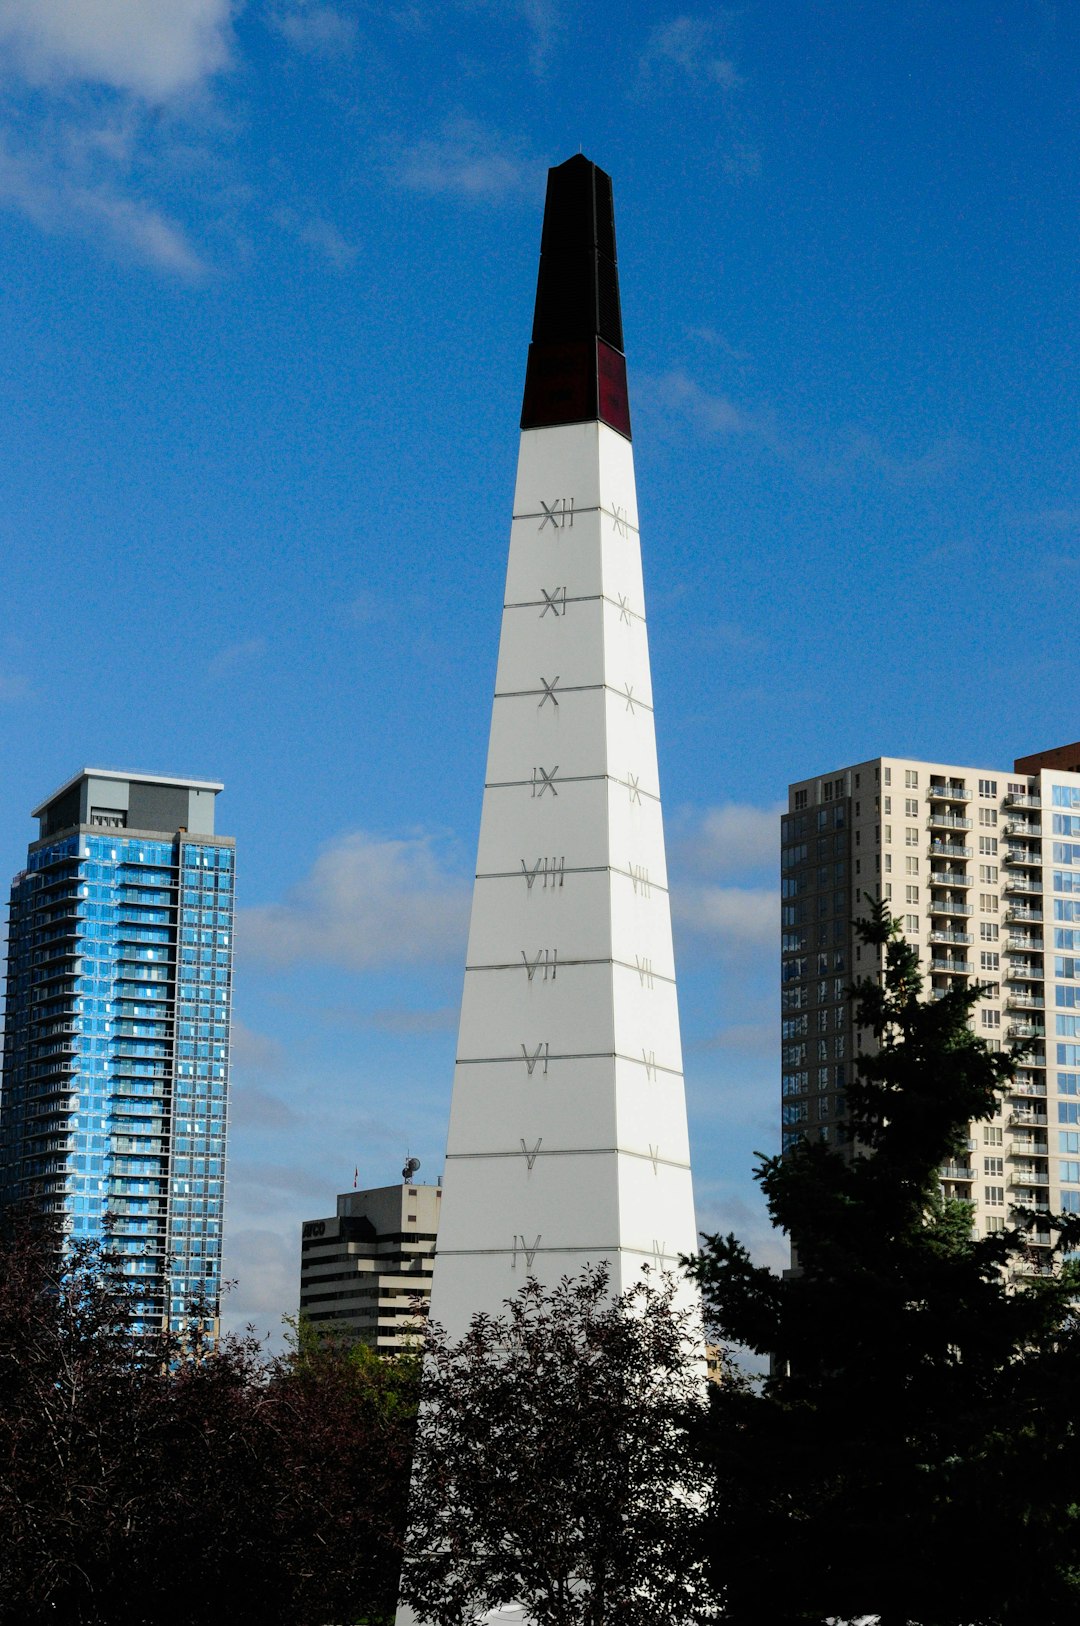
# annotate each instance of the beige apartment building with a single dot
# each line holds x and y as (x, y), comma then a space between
(982, 867)
(365, 1272)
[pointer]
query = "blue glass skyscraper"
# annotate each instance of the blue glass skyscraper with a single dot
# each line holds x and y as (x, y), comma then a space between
(114, 1098)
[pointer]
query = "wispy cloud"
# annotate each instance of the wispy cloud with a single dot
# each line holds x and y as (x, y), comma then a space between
(62, 194)
(367, 903)
(234, 656)
(153, 51)
(316, 29)
(688, 49)
(734, 917)
(710, 414)
(720, 857)
(465, 160)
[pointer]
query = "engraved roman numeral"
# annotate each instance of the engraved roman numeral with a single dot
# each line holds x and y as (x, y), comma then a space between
(639, 880)
(632, 783)
(549, 693)
(547, 959)
(526, 1248)
(658, 1249)
(530, 1158)
(649, 1058)
(644, 971)
(654, 1158)
(540, 1054)
(552, 869)
(553, 601)
(629, 697)
(559, 514)
(624, 607)
(618, 519)
(545, 781)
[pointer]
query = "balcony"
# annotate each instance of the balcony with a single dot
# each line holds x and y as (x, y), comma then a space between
(1026, 1146)
(947, 821)
(1031, 856)
(1026, 1083)
(1028, 1177)
(949, 877)
(1021, 827)
(1023, 970)
(1019, 914)
(1027, 1118)
(943, 935)
(1020, 884)
(957, 967)
(951, 792)
(1026, 1030)
(1017, 799)
(957, 1171)
(950, 906)
(949, 849)
(1025, 1002)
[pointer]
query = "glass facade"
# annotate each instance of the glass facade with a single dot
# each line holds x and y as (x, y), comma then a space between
(116, 1052)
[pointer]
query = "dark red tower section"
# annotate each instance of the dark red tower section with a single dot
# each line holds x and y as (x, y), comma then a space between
(577, 371)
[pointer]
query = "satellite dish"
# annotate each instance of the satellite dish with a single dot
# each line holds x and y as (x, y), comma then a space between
(411, 1166)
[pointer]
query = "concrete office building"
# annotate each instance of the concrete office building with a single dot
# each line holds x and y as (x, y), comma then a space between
(116, 1042)
(365, 1273)
(982, 866)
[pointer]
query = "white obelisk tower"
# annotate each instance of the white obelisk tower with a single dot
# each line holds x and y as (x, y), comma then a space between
(567, 1140)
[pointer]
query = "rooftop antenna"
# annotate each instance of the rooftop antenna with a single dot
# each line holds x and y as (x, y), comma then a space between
(409, 1171)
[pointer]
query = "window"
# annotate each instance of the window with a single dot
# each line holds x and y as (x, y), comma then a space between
(989, 961)
(888, 805)
(911, 894)
(988, 845)
(911, 923)
(1069, 1172)
(992, 1135)
(911, 866)
(911, 778)
(988, 872)
(990, 1018)
(994, 1223)
(911, 837)
(987, 815)
(800, 799)
(987, 787)
(988, 903)
(993, 1196)
(888, 776)
(989, 931)
(1068, 1140)
(911, 807)
(888, 863)
(994, 1165)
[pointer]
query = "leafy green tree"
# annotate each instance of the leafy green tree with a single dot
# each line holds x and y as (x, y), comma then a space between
(913, 1453)
(552, 1462)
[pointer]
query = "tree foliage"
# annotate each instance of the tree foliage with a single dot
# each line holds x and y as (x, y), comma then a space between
(143, 1480)
(553, 1465)
(912, 1454)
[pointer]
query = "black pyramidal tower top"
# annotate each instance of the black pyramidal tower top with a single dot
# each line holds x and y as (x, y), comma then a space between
(577, 371)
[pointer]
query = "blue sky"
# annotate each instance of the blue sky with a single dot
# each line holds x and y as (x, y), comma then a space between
(267, 284)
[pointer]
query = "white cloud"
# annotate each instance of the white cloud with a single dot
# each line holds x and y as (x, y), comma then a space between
(155, 49)
(466, 160)
(739, 917)
(56, 192)
(243, 653)
(264, 1265)
(688, 48)
(366, 904)
(729, 839)
(315, 29)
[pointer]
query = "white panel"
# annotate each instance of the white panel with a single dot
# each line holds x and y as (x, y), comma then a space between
(502, 1009)
(517, 824)
(508, 916)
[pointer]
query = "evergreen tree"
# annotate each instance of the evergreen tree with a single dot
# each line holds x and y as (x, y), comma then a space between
(913, 1454)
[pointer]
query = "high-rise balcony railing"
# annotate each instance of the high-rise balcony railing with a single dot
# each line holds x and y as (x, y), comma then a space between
(1017, 798)
(950, 906)
(949, 877)
(1023, 827)
(1021, 914)
(1027, 1030)
(1029, 857)
(1020, 884)
(1025, 1002)
(950, 792)
(940, 820)
(957, 1171)
(957, 967)
(943, 934)
(1023, 970)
